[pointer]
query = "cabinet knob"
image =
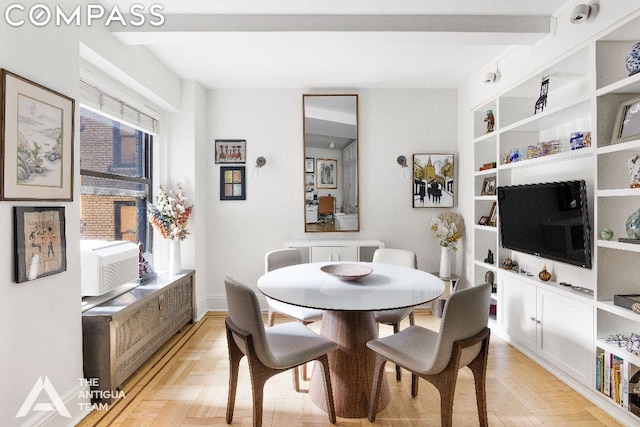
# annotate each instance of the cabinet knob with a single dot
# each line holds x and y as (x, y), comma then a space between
(533, 319)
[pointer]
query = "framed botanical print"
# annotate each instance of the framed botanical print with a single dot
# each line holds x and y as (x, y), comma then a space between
(433, 180)
(326, 173)
(39, 242)
(231, 150)
(36, 140)
(232, 183)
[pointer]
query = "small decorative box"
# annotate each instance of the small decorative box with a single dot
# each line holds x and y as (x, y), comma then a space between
(630, 302)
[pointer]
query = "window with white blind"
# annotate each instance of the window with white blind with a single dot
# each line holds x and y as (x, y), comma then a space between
(116, 155)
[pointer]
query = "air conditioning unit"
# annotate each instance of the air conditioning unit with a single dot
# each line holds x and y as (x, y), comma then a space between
(107, 265)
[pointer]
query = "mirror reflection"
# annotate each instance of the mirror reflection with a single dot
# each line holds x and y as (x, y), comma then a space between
(331, 162)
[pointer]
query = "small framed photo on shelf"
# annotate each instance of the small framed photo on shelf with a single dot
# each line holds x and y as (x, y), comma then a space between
(493, 215)
(484, 220)
(39, 242)
(309, 164)
(627, 125)
(488, 186)
(231, 150)
(36, 145)
(232, 183)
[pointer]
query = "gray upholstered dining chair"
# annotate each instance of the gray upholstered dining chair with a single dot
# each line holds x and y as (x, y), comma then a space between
(393, 318)
(273, 260)
(283, 258)
(463, 340)
(269, 351)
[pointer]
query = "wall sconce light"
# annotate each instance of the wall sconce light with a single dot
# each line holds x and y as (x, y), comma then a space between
(257, 169)
(583, 13)
(404, 168)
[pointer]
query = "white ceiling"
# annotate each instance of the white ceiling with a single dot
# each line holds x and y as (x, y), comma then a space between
(337, 44)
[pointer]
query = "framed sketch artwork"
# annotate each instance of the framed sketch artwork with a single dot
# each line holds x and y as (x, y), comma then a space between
(433, 180)
(39, 242)
(326, 173)
(36, 140)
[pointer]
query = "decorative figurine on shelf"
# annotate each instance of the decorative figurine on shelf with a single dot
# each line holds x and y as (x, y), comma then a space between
(634, 171)
(633, 225)
(633, 60)
(544, 275)
(507, 264)
(542, 100)
(491, 121)
(489, 258)
(489, 278)
(606, 233)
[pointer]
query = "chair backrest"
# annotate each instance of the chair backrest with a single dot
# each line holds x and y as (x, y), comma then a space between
(281, 258)
(325, 205)
(396, 256)
(466, 313)
(244, 311)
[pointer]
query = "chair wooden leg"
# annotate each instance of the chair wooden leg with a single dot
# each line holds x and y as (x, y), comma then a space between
(270, 317)
(378, 376)
(414, 385)
(331, 410)
(235, 355)
(445, 382)
(412, 319)
(396, 329)
(257, 386)
(479, 369)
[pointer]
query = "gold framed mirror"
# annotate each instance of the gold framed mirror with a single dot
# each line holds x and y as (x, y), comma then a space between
(330, 126)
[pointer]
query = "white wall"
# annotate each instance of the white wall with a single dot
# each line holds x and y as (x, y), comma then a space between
(41, 333)
(391, 123)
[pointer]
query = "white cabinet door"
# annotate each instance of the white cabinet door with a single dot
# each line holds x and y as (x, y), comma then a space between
(565, 334)
(519, 311)
(334, 253)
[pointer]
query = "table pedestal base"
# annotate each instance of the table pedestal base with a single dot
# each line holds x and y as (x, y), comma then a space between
(351, 365)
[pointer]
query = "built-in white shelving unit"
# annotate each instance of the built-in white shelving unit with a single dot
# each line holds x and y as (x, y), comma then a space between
(587, 87)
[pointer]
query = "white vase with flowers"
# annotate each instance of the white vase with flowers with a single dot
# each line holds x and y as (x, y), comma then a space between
(169, 215)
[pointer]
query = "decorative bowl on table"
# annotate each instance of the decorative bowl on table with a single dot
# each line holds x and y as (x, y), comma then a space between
(347, 271)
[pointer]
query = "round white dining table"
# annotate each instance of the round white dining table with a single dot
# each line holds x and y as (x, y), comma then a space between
(349, 320)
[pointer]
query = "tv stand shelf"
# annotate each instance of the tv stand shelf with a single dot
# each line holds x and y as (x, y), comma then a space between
(119, 335)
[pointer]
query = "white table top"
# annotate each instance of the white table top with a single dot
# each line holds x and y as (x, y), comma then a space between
(387, 287)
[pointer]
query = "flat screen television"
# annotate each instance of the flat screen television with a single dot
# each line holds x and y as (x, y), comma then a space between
(550, 220)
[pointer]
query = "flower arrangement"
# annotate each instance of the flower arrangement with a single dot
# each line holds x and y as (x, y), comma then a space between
(169, 214)
(449, 228)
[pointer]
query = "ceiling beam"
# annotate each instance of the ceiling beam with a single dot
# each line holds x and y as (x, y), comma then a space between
(346, 23)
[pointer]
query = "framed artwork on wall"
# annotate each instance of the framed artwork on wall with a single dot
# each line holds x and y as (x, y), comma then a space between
(36, 135)
(433, 180)
(39, 242)
(232, 183)
(231, 151)
(309, 164)
(326, 173)
(627, 126)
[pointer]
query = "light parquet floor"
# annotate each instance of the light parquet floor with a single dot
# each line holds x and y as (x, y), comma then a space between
(185, 384)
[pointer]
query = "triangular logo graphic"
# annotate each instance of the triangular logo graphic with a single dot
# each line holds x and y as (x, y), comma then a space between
(54, 404)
